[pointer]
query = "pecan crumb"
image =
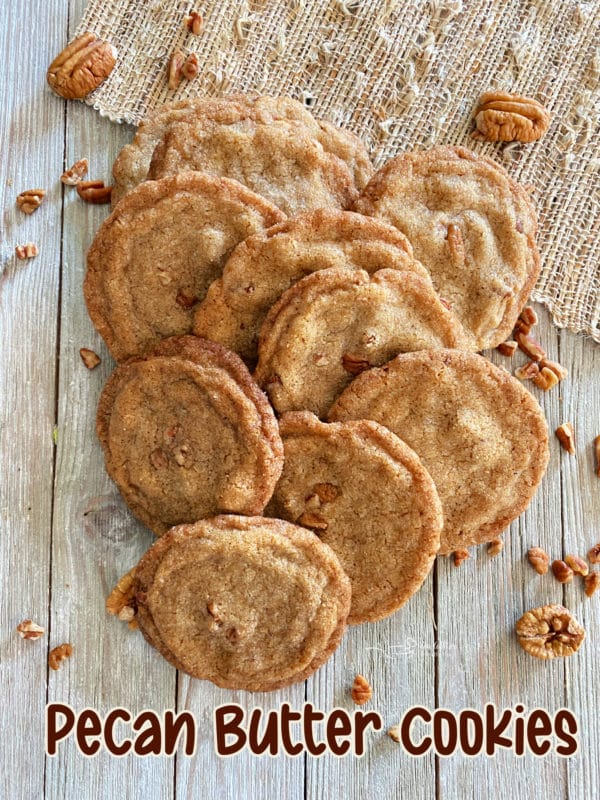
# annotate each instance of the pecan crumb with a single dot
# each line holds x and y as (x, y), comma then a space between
(31, 199)
(597, 454)
(29, 630)
(394, 733)
(539, 560)
(577, 564)
(94, 192)
(190, 67)
(28, 250)
(562, 571)
(507, 348)
(590, 583)
(594, 554)
(545, 379)
(361, 691)
(194, 22)
(530, 347)
(186, 301)
(89, 358)
(326, 492)
(549, 632)
(73, 175)
(354, 364)
(566, 436)
(311, 520)
(527, 372)
(58, 654)
(460, 556)
(502, 117)
(495, 547)
(174, 72)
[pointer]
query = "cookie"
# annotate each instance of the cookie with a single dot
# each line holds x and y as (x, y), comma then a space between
(245, 602)
(279, 160)
(480, 434)
(367, 495)
(186, 433)
(155, 256)
(263, 266)
(336, 323)
(132, 164)
(470, 225)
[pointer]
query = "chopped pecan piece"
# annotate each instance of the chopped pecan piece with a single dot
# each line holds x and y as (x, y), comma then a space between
(159, 459)
(174, 72)
(29, 630)
(190, 67)
(81, 67)
(562, 571)
(495, 547)
(121, 602)
(354, 364)
(326, 492)
(591, 582)
(560, 372)
(456, 245)
(73, 175)
(549, 632)
(394, 733)
(566, 436)
(28, 250)
(530, 347)
(502, 117)
(58, 654)
(94, 192)
(185, 300)
(528, 371)
(460, 556)
(545, 379)
(507, 348)
(31, 199)
(529, 317)
(597, 454)
(539, 560)
(361, 691)
(194, 22)
(89, 358)
(594, 554)
(312, 520)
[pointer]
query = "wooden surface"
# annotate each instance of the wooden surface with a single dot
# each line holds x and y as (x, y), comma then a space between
(66, 537)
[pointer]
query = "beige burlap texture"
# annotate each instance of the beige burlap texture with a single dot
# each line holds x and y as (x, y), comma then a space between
(402, 75)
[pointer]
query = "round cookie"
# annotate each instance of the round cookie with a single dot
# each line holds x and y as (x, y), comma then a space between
(280, 160)
(470, 225)
(186, 433)
(132, 163)
(367, 495)
(155, 256)
(245, 602)
(336, 323)
(263, 266)
(480, 434)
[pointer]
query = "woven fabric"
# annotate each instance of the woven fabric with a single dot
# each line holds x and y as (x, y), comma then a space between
(402, 75)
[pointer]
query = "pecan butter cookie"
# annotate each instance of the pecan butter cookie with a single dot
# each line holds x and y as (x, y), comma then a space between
(245, 602)
(470, 225)
(263, 266)
(336, 323)
(155, 256)
(480, 434)
(367, 495)
(186, 433)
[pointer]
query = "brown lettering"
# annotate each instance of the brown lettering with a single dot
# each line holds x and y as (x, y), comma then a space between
(223, 729)
(538, 725)
(148, 742)
(89, 725)
(269, 740)
(565, 724)
(287, 717)
(311, 716)
(109, 723)
(407, 720)
(468, 746)
(361, 723)
(339, 725)
(174, 725)
(519, 737)
(54, 734)
(493, 731)
(441, 716)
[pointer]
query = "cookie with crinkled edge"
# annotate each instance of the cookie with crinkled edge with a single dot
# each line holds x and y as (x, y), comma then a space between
(245, 602)
(186, 434)
(153, 259)
(471, 225)
(368, 496)
(480, 434)
(336, 323)
(263, 266)
(132, 163)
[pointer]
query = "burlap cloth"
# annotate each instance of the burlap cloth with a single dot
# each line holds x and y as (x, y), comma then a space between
(402, 75)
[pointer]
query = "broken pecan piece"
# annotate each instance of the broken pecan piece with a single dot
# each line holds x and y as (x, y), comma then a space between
(594, 554)
(562, 571)
(73, 175)
(81, 67)
(577, 564)
(560, 372)
(174, 71)
(354, 364)
(539, 560)
(529, 317)
(29, 630)
(545, 379)
(94, 192)
(29, 200)
(28, 250)
(186, 301)
(507, 348)
(527, 372)
(89, 358)
(361, 691)
(502, 117)
(590, 583)
(121, 602)
(311, 520)
(190, 67)
(495, 547)
(58, 654)
(460, 556)
(566, 436)
(530, 347)
(549, 632)
(194, 22)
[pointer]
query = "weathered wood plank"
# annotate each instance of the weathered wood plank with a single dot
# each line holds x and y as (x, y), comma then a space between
(32, 145)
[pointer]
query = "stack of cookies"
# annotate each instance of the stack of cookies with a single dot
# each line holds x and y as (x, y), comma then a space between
(299, 410)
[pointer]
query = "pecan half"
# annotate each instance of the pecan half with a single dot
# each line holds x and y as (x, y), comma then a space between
(566, 436)
(94, 192)
(354, 364)
(28, 250)
(590, 583)
(507, 348)
(81, 67)
(502, 117)
(577, 564)
(29, 630)
(73, 175)
(361, 690)
(562, 571)
(58, 655)
(549, 632)
(89, 358)
(30, 200)
(539, 560)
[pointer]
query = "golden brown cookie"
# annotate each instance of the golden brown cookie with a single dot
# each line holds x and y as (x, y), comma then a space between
(470, 225)
(263, 266)
(186, 433)
(336, 323)
(132, 164)
(480, 434)
(367, 495)
(245, 602)
(155, 256)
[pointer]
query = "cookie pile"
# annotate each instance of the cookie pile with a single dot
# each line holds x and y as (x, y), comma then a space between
(299, 410)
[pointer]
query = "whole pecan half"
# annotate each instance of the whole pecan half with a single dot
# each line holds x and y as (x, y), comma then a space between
(81, 67)
(549, 632)
(502, 117)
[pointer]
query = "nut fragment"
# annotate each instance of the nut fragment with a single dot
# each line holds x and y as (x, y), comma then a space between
(361, 691)
(29, 200)
(590, 583)
(311, 520)
(566, 436)
(577, 564)
(73, 175)
(528, 371)
(507, 348)
(191, 67)
(194, 22)
(597, 454)
(545, 379)
(159, 459)
(58, 654)
(495, 547)
(394, 733)
(81, 67)
(121, 601)
(94, 192)
(456, 245)
(186, 301)
(562, 571)
(529, 317)
(594, 554)
(560, 372)
(174, 72)
(29, 630)
(460, 556)
(89, 358)
(549, 632)
(28, 250)
(326, 492)
(354, 364)
(530, 347)
(502, 117)
(539, 560)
